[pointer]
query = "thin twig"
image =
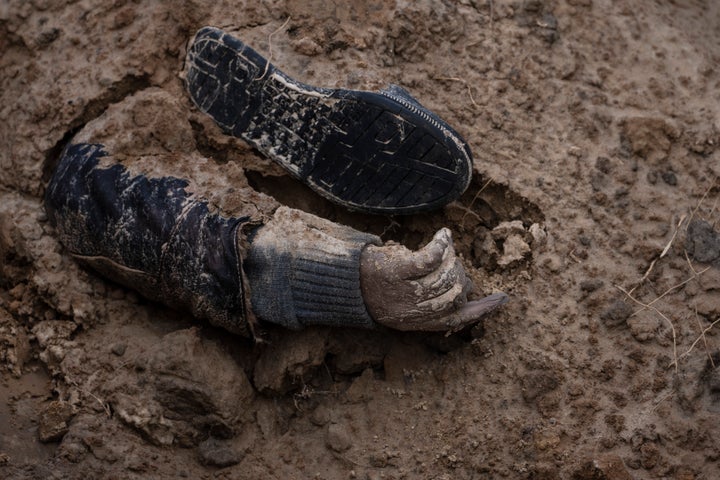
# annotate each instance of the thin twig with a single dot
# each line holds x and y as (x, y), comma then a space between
(102, 403)
(697, 340)
(697, 207)
(674, 287)
(664, 252)
(270, 52)
(702, 334)
(469, 208)
(665, 397)
(687, 257)
(669, 322)
(461, 80)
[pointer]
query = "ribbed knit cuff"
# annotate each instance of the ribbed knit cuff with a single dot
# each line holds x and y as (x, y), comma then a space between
(304, 270)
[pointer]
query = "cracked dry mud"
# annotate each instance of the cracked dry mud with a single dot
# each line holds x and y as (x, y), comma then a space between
(595, 128)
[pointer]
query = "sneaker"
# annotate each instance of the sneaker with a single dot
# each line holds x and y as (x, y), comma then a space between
(377, 152)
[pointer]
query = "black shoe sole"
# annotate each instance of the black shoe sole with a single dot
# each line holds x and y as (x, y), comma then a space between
(377, 152)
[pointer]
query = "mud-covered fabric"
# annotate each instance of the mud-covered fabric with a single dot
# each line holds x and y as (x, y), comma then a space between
(149, 234)
(305, 270)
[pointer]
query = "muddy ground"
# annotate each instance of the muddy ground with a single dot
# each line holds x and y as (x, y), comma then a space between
(595, 128)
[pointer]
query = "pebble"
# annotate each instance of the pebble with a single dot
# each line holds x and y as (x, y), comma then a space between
(118, 349)
(616, 314)
(218, 453)
(338, 438)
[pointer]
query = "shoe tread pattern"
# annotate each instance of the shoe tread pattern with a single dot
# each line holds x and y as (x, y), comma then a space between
(359, 149)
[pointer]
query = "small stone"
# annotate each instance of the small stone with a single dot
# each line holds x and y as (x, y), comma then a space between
(119, 349)
(603, 164)
(670, 178)
(320, 416)
(616, 314)
(338, 438)
(702, 242)
(591, 284)
(218, 453)
(54, 420)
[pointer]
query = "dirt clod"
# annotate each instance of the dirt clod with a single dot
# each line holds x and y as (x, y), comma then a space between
(616, 313)
(54, 420)
(609, 467)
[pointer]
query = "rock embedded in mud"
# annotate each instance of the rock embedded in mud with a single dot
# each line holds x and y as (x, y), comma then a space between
(616, 314)
(702, 242)
(188, 387)
(590, 285)
(338, 438)
(218, 453)
(193, 376)
(669, 178)
(118, 349)
(54, 421)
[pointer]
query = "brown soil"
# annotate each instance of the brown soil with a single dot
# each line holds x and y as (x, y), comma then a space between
(595, 127)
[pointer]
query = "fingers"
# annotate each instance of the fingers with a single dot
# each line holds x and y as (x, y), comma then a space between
(444, 289)
(477, 308)
(469, 313)
(429, 258)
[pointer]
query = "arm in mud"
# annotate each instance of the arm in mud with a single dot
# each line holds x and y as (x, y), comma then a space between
(304, 270)
(151, 235)
(148, 234)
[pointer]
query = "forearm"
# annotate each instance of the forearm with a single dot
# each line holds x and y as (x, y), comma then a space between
(149, 234)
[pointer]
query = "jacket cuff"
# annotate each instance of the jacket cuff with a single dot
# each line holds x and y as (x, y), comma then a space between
(304, 270)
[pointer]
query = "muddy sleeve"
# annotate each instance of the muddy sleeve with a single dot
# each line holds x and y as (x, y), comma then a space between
(304, 270)
(148, 234)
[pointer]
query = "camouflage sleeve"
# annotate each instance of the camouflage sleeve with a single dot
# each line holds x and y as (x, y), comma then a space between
(149, 234)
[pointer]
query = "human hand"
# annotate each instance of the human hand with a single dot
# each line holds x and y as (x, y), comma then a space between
(424, 290)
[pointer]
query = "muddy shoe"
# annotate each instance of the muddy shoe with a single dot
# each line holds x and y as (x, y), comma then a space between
(378, 152)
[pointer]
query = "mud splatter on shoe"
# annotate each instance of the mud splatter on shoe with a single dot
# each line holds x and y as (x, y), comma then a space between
(377, 152)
